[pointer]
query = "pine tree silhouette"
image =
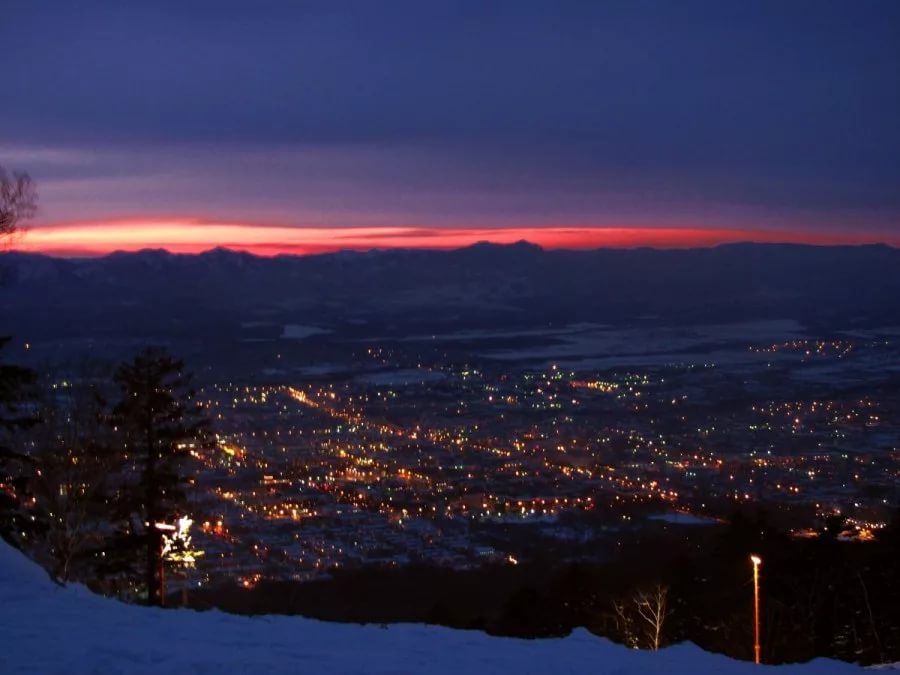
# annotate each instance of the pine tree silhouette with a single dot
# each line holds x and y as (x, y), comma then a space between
(159, 424)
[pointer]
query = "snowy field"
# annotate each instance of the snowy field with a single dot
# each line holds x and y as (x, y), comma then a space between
(296, 331)
(654, 345)
(680, 518)
(48, 629)
(398, 378)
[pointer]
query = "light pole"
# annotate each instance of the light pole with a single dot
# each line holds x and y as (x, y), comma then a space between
(757, 561)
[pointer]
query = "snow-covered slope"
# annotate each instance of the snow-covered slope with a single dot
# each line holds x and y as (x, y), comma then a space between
(50, 629)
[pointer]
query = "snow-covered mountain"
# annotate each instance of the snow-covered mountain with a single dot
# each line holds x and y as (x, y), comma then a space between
(50, 629)
(752, 280)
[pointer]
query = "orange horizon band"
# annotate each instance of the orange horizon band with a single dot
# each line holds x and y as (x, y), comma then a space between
(193, 236)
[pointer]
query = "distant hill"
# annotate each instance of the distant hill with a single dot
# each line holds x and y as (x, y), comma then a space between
(520, 282)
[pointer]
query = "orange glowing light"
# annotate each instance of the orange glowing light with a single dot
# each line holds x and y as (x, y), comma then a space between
(757, 561)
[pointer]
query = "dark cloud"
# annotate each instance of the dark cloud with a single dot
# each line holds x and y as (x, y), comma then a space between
(762, 104)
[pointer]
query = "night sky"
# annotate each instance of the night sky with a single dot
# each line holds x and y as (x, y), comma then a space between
(306, 126)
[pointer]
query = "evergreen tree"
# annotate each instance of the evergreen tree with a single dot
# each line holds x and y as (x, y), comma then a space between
(18, 518)
(159, 424)
(73, 451)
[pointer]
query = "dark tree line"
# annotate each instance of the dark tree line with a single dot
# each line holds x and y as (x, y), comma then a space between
(96, 481)
(819, 597)
(16, 524)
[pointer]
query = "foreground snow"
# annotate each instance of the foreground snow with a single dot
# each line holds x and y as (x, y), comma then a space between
(50, 629)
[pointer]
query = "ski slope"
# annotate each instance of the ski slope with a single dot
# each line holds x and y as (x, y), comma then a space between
(50, 629)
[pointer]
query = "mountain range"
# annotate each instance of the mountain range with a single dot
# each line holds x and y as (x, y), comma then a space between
(153, 293)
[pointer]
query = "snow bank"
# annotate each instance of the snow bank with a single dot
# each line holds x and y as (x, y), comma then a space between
(49, 629)
(683, 518)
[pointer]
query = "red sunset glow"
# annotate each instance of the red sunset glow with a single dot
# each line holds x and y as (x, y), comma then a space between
(192, 236)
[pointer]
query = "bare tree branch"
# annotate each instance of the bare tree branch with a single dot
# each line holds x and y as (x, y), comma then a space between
(18, 201)
(642, 619)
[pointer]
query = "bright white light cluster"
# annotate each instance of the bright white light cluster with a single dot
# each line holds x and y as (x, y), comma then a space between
(177, 547)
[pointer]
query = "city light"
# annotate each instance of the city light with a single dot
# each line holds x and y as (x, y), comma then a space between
(757, 561)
